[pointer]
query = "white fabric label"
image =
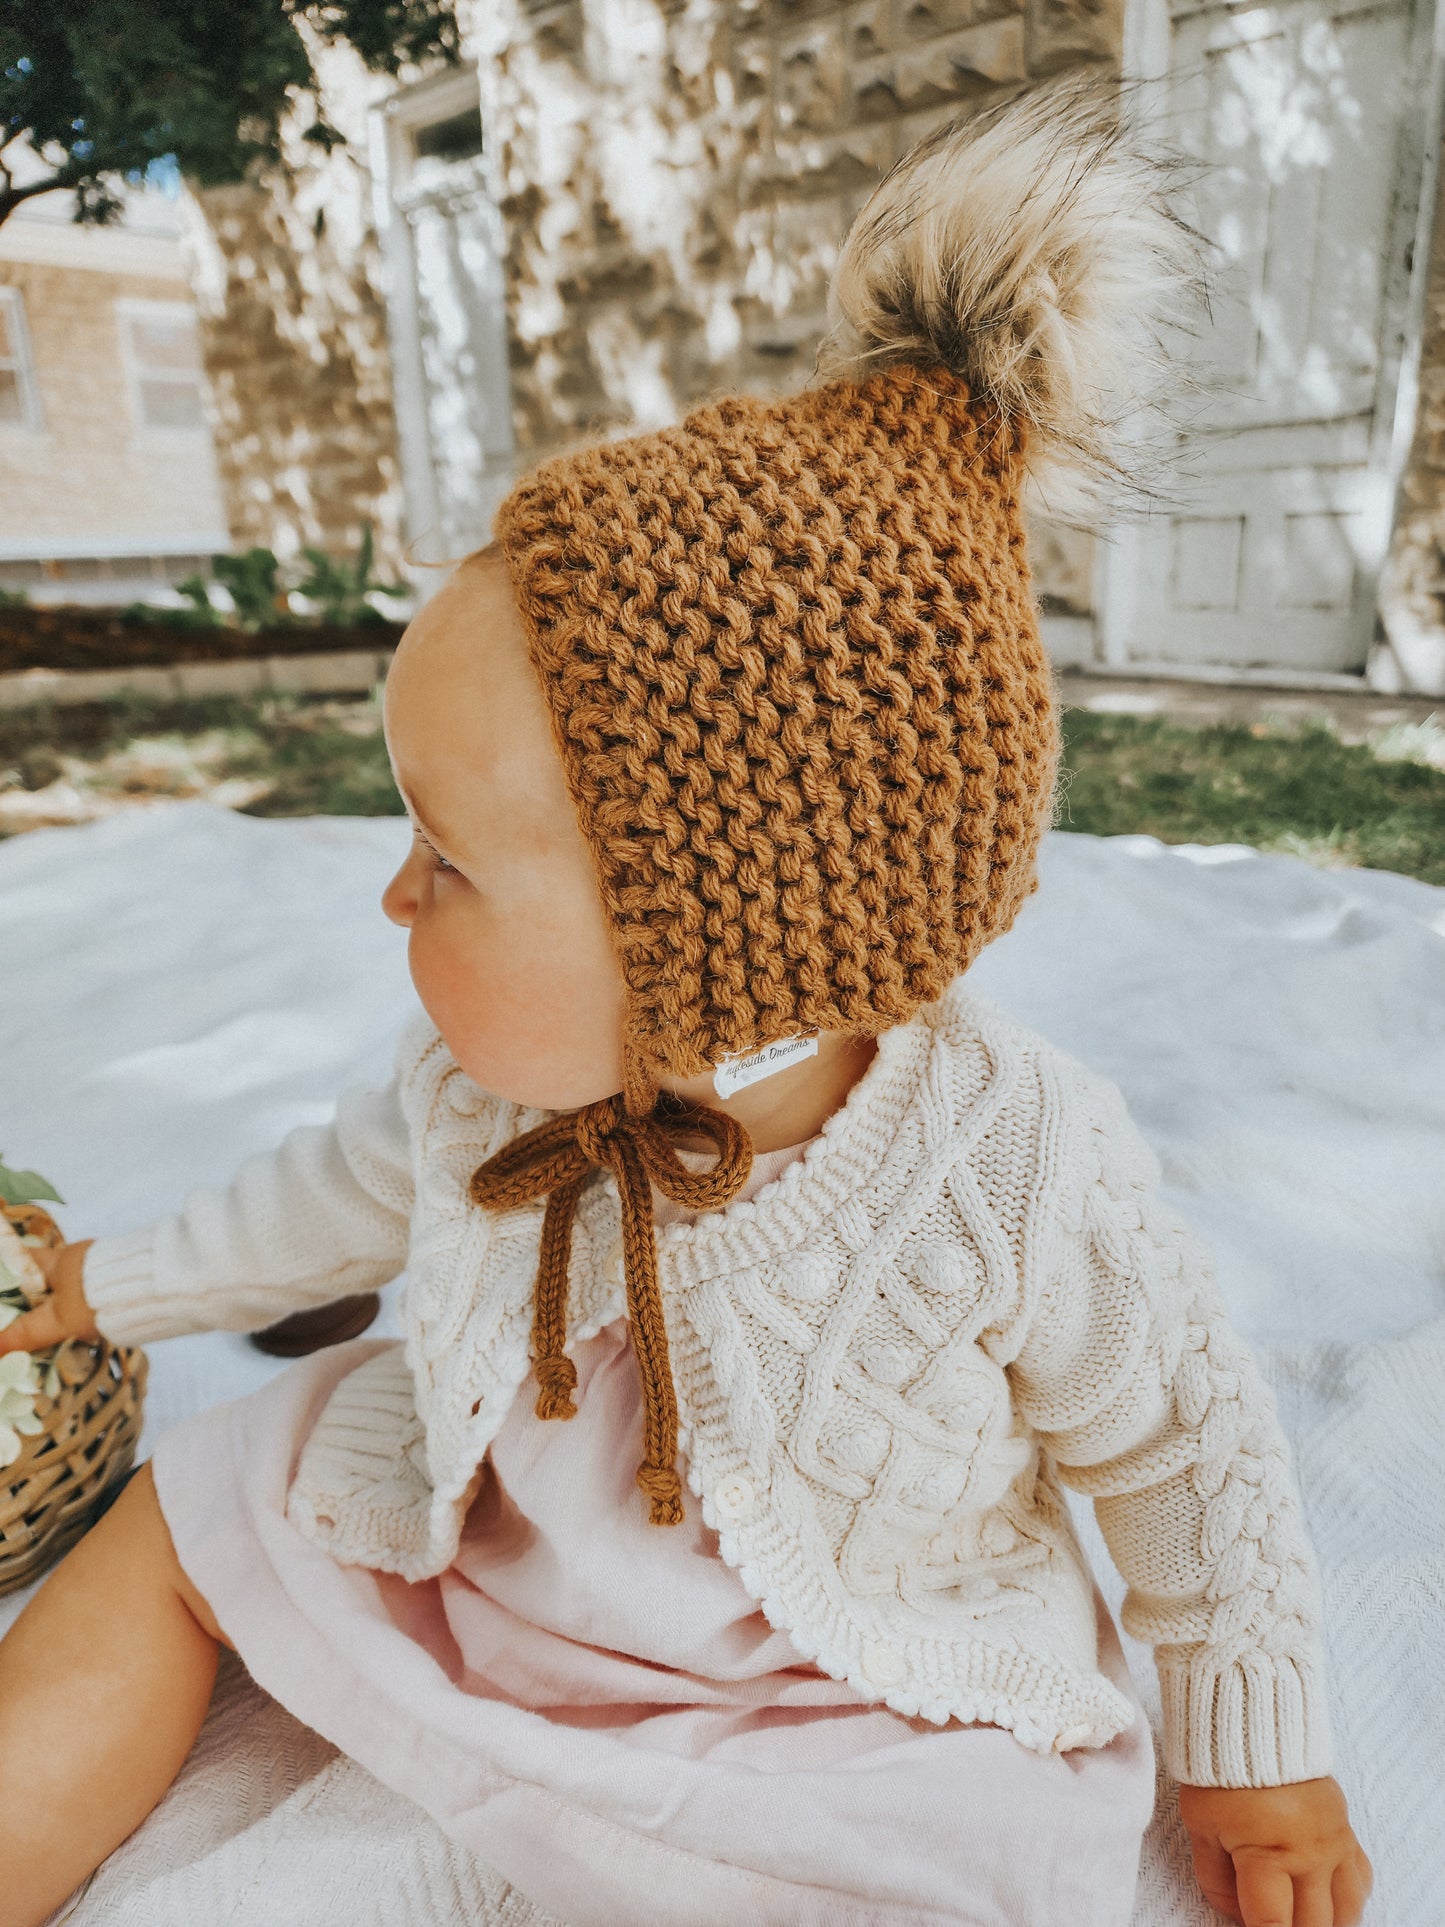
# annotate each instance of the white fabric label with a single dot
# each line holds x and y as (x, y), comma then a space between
(736, 1073)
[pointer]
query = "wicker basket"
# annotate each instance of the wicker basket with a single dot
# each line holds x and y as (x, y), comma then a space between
(66, 1475)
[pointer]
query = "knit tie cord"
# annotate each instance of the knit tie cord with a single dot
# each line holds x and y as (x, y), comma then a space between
(556, 1158)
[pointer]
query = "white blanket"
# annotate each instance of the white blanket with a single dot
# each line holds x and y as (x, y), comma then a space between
(183, 985)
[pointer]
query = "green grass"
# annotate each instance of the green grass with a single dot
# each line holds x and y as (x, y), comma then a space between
(1303, 792)
(321, 767)
(319, 757)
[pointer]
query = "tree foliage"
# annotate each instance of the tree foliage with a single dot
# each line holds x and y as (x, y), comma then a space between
(101, 89)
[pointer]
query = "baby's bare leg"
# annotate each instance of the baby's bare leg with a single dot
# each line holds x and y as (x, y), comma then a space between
(104, 1682)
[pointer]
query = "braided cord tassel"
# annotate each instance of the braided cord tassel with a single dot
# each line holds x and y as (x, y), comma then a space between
(657, 1475)
(555, 1373)
(556, 1158)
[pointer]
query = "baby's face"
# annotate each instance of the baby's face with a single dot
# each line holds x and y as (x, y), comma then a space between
(509, 946)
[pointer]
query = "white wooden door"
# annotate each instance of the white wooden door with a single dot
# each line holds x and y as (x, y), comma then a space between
(1303, 117)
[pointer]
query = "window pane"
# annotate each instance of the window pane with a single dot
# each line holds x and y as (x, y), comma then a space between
(171, 404)
(12, 408)
(162, 343)
(450, 140)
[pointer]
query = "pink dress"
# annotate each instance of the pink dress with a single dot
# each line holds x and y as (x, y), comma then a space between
(597, 1708)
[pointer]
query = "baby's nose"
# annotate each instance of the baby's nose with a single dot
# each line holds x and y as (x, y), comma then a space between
(398, 899)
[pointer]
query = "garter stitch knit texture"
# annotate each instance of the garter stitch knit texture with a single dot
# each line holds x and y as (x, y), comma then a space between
(793, 666)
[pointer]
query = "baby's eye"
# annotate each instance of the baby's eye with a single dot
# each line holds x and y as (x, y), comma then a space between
(435, 859)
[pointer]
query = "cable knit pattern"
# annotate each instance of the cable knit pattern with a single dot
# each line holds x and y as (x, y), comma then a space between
(966, 1290)
(795, 676)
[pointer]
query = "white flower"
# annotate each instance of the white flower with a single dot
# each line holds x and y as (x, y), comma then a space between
(17, 1374)
(19, 1389)
(18, 1409)
(20, 1272)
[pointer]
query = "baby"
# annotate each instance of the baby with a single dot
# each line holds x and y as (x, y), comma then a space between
(723, 761)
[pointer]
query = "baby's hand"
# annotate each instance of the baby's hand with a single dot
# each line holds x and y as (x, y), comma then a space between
(1277, 1856)
(63, 1312)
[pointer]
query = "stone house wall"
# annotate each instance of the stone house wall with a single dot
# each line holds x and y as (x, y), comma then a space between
(1412, 595)
(288, 284)
(676, 179)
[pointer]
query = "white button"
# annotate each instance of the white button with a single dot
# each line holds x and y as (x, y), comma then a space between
(612, 1265)
(1070, 1736)
(462, 1095)
(734, 1498)
(883, 1664)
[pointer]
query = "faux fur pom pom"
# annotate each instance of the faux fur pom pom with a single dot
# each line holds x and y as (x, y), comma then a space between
(1032, 249)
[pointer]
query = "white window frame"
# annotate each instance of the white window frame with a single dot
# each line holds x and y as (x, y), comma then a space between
(128, 308)
(393, 125)
(32, 416)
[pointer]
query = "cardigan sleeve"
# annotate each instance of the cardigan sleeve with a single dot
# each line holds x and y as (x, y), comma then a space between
(1151, 1405)
(324, 1214)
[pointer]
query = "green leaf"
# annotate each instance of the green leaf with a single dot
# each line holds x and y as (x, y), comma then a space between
(26, 1187)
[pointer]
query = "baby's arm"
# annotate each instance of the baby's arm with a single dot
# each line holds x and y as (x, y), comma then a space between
(324, 1214)
(1149, 1402)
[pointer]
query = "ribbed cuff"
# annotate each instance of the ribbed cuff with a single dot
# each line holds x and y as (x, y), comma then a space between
(1262, 1720)
(119, 1284)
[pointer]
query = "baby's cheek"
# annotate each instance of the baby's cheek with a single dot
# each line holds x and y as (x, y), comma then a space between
(525, 1021)
(450, 981)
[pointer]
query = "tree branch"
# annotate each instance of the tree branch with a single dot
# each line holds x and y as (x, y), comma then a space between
(11, 197)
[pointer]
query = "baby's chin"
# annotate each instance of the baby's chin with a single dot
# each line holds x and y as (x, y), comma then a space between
(538, 1085)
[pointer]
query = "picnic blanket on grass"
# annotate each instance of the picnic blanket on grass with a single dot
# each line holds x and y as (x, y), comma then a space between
(183, 985)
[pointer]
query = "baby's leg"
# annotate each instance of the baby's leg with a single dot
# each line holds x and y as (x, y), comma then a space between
(104, 1682)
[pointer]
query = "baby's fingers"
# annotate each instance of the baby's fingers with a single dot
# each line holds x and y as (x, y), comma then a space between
(1267, 1893)
(1270, 1897)
(34, 1330)
(1214, 1870)
(1350, 1889)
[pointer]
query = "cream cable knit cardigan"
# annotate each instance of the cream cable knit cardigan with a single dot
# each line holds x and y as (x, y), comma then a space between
(966, 1290)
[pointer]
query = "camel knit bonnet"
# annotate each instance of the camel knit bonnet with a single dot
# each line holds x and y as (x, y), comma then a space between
(791, 656)
(793, 662)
